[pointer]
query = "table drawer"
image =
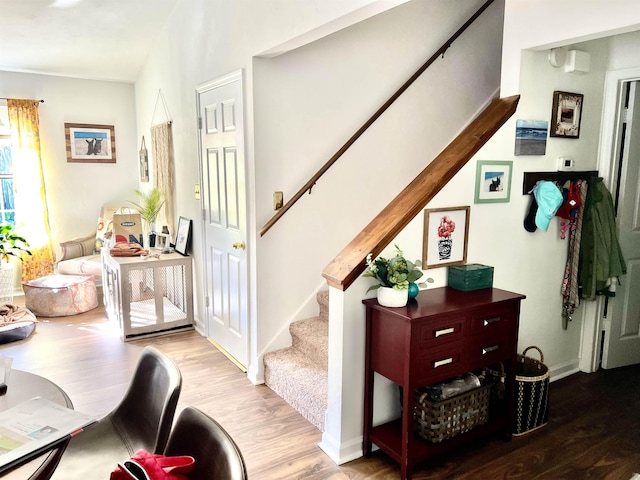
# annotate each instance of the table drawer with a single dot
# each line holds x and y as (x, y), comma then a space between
(494, 320)
(442, 331)
(485, 350)
(437, 364)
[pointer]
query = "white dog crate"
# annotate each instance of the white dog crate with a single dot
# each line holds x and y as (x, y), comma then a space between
(148, 297)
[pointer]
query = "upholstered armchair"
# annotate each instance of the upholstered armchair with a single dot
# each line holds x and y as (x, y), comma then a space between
(81, 256)
(77, 257)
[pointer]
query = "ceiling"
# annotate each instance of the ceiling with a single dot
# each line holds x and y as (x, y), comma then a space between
(95, 39)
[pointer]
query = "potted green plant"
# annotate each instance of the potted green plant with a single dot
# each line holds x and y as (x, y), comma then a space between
(396, 276)
(11, 244)
(149, 206)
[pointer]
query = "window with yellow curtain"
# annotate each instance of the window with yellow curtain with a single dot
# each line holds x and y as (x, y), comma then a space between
(31, 213)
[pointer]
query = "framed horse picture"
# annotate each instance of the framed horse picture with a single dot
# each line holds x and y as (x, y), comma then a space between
(90, 143)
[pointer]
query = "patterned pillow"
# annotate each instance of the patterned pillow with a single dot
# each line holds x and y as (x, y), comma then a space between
(78, 247)
(105, 226)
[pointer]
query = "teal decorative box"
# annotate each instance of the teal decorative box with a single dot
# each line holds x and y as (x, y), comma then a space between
(470, 276)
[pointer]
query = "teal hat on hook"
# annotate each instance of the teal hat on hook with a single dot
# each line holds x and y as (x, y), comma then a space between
(549, 199)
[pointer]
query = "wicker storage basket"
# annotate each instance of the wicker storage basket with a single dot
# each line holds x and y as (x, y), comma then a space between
(495, 376)
(532, 393)
(438, 421)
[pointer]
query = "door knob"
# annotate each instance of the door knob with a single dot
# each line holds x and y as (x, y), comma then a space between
(239, 245)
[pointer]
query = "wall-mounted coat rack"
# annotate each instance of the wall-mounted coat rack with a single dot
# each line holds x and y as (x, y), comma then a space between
(531, 178)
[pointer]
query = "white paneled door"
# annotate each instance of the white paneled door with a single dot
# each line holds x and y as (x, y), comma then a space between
(622, 337)
(224, 201)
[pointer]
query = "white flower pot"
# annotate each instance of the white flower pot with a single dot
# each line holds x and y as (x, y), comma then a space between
(390, 297)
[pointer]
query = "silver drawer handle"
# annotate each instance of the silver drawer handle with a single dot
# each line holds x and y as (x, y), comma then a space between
(444, 331)
(440, 363)
(489, 321)
(486, 350)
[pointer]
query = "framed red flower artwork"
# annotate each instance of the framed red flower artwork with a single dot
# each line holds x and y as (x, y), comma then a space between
(446, 232)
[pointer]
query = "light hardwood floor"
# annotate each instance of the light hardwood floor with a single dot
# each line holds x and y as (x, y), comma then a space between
(592, 432)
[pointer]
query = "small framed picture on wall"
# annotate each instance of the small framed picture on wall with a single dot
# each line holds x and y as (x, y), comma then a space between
(446, 232)
(88, 143)
(566, 114)
(493, 181)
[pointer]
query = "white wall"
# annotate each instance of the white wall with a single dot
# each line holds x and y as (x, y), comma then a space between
(533, 263)
(310, 101)
(528, 263)
(624, 51)
(528, 34)
(206, 40)
(307, 104)
(77, 191)
(550, 23)
(301, 107)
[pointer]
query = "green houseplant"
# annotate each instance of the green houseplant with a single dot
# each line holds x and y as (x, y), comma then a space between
(149, 205)
(394, 273)
(11, 244)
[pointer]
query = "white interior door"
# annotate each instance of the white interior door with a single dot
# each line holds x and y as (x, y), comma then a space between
(622, 328)
(221, 119)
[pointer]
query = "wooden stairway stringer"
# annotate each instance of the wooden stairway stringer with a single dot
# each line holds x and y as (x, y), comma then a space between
(350, 263)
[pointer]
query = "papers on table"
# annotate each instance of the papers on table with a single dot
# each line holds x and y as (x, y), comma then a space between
(34, 427)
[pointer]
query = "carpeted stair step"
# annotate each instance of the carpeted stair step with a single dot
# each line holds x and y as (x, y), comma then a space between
(299, 381)
(299, 373)
(323, 303)
(311, 337)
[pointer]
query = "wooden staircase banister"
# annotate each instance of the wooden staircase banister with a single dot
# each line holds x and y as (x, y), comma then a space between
(312, 181)
(350, 263)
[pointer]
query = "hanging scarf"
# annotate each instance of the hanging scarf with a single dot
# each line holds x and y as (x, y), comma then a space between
(570, 284)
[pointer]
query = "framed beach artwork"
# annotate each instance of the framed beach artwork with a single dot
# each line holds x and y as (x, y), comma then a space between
(566, 114)
(493, 181)
(531, 137)
(446, 232)
(88, 143)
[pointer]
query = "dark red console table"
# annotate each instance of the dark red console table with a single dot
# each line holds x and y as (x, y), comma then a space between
(440, 334)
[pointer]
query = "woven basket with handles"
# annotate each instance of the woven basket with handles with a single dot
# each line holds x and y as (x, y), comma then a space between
(532, 393)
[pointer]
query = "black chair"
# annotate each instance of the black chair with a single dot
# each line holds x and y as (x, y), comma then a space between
(142, 420)
(200, 436)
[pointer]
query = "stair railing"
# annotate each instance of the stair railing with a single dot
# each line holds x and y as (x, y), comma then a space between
(350, 263)
(312, 181)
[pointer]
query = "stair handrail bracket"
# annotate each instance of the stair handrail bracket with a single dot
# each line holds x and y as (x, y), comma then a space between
(350, 263)
(312, 181)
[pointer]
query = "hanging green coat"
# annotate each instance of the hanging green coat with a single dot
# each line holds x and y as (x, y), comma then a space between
(600, 254)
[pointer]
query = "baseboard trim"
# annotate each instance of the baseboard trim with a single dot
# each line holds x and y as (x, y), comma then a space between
(255, 376)
(563, 370)
(341, 453)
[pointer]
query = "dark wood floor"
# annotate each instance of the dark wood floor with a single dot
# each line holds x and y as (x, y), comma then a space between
(593, 431)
